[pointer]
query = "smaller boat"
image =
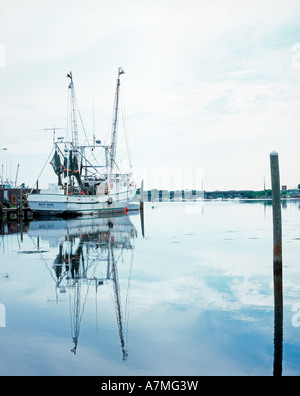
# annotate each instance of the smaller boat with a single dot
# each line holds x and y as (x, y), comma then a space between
(84, 185)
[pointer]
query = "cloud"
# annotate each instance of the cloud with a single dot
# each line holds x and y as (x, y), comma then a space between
(197, 75)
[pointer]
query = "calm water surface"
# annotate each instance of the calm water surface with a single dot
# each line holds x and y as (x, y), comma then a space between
(188, 293)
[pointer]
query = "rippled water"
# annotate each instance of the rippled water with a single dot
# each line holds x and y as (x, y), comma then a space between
(189, 292)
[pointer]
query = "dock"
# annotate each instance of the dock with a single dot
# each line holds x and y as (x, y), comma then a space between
(13, 204)
(17, 213)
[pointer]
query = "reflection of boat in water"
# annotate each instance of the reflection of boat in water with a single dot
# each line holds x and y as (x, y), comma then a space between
(89, 250)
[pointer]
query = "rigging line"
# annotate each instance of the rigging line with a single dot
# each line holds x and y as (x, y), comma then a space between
(75, 325)
(117, 166)
(18, 239)
(126, 311)
(111, 125)
(125, 125)
(126, 308)
(43, 259)
(118, 306)
(68, 115)
(87, 292)
(96, 306)
(59, 149)
(93, 116)
(42, 169)
(87, 139)
(108, 133)
(87, 161)
(71, 313)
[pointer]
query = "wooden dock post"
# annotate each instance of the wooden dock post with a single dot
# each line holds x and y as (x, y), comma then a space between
(21, 203)
(277, 264)
(276, 200)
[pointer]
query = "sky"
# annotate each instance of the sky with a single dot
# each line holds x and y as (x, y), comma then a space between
(211, 87)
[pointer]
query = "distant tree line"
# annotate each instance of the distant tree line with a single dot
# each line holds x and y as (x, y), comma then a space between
(258, 194)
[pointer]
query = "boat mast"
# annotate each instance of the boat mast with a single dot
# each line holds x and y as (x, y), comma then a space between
(114, 129)
(118, 304)
(73, 114)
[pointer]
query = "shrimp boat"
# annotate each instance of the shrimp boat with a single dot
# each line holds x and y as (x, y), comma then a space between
(85, 185)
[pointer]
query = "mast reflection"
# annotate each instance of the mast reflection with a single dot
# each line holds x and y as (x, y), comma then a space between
(89, 250)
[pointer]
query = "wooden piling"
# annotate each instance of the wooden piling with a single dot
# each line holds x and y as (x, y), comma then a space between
(277, 264)
(276, 200)
(21, 203)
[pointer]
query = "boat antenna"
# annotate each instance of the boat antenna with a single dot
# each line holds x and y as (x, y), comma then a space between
(50, 129)
(73, 114)
(114, 129)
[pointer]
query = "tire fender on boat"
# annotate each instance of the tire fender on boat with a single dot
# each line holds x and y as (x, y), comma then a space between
(110, 201)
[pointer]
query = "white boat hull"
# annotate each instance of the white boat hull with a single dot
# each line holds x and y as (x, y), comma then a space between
(59, 204)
